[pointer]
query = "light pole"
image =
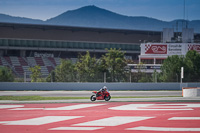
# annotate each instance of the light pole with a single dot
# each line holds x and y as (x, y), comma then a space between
(182, 73)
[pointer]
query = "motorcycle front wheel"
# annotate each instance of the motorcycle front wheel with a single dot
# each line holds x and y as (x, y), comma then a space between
(93, 98)
(107, 98)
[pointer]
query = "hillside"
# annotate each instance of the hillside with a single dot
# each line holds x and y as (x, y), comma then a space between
(92, 16)
(11, 19)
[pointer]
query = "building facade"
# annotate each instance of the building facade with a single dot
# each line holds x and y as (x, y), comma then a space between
(26, 45)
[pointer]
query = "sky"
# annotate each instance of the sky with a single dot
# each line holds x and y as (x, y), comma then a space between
(166, 10)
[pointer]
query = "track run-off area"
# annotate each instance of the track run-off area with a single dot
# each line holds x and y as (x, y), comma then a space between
(106, 117)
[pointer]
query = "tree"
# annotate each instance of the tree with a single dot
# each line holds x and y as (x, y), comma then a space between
(156, 76)
(140, 75)
(65, 72)
(192, 67)
(114, 61)
(51, 77)
(171, 68)
(36, 73)
(86, 67)
(145, 78)
(6, 75)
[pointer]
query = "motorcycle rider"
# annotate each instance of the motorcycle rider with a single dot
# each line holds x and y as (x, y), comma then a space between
(106, 89)
(102, 90)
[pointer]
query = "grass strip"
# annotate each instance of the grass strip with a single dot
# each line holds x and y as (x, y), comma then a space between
(30, 98)
(33, 98)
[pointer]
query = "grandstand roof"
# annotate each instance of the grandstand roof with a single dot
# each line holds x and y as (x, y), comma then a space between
(69, 33)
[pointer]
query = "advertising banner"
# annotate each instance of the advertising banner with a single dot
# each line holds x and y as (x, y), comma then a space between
(175, 49)
(168, 48)
(155, 49)
(195, 47)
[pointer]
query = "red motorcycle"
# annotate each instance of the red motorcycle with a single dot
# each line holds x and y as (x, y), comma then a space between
(105, 95)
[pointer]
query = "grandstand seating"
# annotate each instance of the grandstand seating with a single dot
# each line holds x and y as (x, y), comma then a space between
(50, 68)
(57, 60)
(22, 61)
(44, 71)
(19, 70)
(47, 62)
(4, 63)
(26, 70)
(31, 61)
(8, 60)
(39, 61)
(21, 65)
(14, 61)
(52, 61)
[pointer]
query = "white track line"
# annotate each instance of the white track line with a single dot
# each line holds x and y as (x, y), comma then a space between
(3, 122)
(41, 120)
(113, 121)
(77, 128)
(10, 106)
(163, 129)
(73, 107)
(160, 107)
(184, 118)
(27, 109)
(131, 107)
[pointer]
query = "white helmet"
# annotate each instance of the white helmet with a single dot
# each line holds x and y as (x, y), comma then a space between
(105, 88)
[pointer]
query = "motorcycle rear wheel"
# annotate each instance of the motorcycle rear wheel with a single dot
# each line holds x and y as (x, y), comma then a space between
(93, 98)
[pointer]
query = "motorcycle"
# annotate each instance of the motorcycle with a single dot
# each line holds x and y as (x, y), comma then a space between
(100, 96)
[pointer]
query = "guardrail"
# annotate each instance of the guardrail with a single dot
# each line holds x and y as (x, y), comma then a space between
(15, 86)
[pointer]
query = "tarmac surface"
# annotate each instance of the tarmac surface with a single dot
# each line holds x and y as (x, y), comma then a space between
(142, 96)
(89, 93)
(100, 117)
(170, 113)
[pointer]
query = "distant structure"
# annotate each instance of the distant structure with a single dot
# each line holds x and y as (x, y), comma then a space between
(26, 45)
(188, 35)
(152, 55)
(168, 34)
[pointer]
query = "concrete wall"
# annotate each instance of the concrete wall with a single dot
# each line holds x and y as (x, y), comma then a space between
(94, 86)
(191, 92)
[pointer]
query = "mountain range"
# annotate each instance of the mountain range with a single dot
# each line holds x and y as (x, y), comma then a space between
(92, 16)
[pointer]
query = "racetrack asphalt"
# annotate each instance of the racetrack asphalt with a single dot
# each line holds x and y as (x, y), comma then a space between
(89, 93)
(170, 113)
(106, 117)
(146, 96)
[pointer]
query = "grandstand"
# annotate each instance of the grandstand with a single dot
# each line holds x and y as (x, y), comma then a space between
(20, 65)
(26, 45)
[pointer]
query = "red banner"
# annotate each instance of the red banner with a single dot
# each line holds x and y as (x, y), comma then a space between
(155, 49)
(194, 47)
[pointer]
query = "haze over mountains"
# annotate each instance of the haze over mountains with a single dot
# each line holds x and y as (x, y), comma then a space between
(92, 16)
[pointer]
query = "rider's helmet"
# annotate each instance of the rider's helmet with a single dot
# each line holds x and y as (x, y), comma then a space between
(104, 88)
